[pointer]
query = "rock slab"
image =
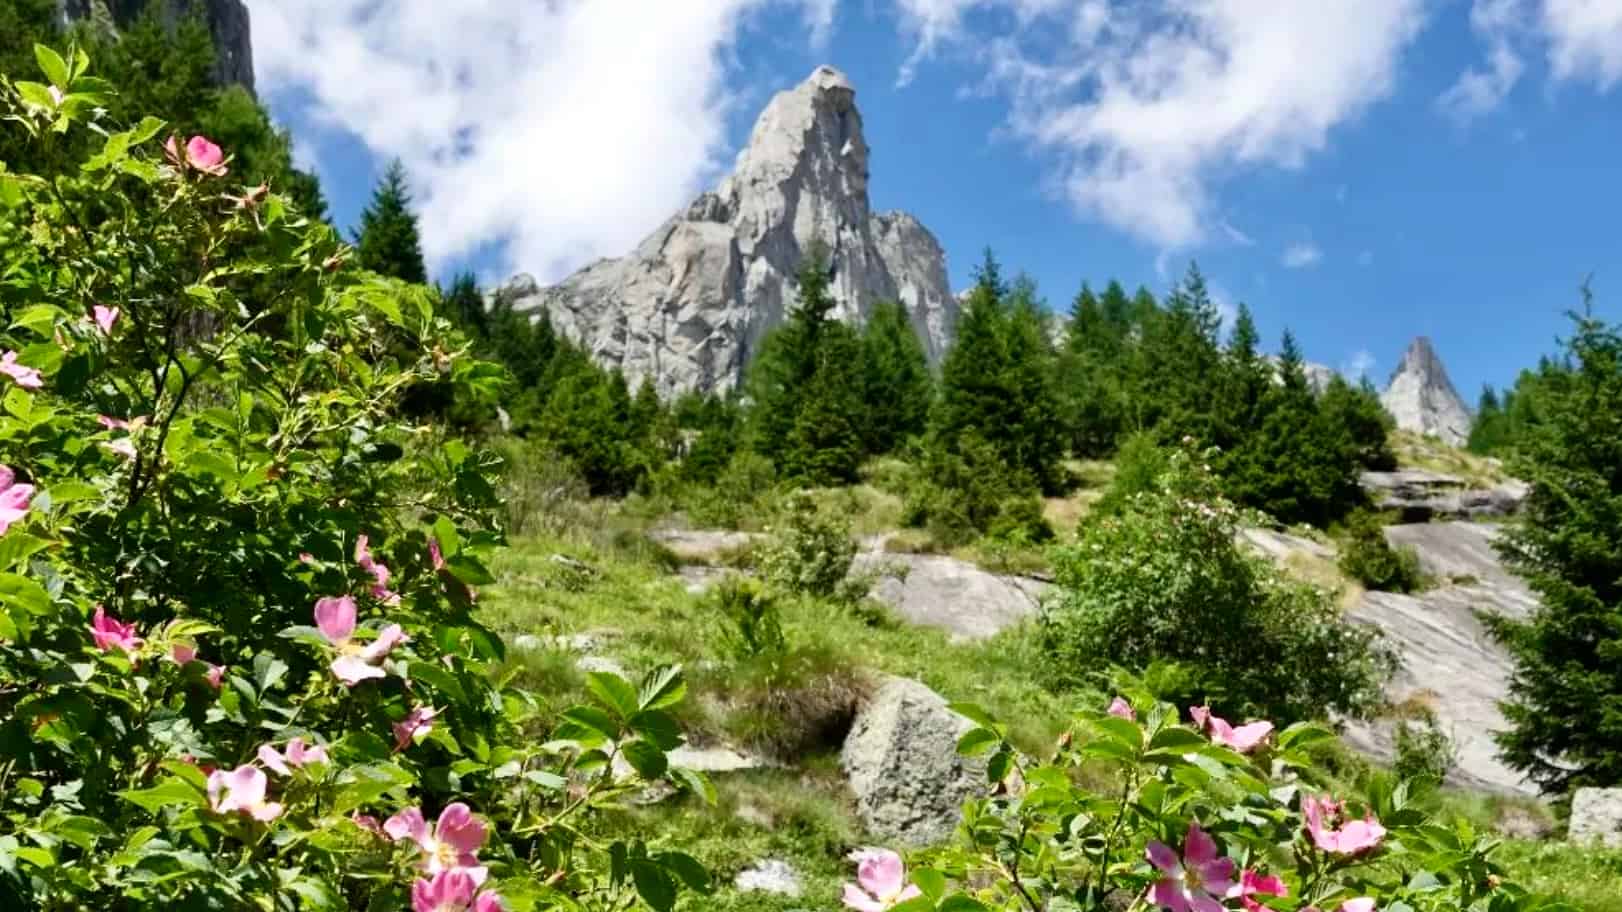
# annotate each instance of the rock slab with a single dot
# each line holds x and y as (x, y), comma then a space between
(953, 595)
(1596, 816)
(227, 23)
(901, 761)
(1420, 496)
(691, 304)
(1422, 399)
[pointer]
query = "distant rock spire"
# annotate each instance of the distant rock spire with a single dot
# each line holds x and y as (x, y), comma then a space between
(1422, 399)
(693, 301)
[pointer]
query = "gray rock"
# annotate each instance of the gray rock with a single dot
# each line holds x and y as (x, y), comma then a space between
(1596, 816)
(691, 304)
(769, 876)
(227, 23)
(602, 664)
(1280, 545)
(951, 594)
(902, 763)
(1318, 375)
(1422, 399)
(703, 546)
(1419, 495)
(1450, 663)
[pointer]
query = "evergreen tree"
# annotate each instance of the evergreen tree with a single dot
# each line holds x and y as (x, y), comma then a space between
(388, 241)
(1565, 706)
(896, 386)
(463, 304)
(1035, 438)
(1245, 379)
(1090, 370)
(1357, 409)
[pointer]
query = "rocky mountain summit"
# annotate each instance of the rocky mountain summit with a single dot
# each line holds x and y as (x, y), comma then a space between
(1422, 399)
(690, 305)
(227, 22)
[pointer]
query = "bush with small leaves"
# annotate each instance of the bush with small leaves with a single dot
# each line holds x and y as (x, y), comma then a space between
(1370, 559)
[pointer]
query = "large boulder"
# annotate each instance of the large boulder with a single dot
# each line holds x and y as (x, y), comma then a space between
(1419, 495)
(691, 304)
(902, 763)
(1596, 816)
(953, 595)
(1421, 398)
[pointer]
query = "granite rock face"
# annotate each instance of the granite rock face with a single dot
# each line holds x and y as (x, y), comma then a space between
(227, 22)
(1596, 816)
(902, 763)
(1420, 496)
(954, 595)
(1422, 399)
(690, 305)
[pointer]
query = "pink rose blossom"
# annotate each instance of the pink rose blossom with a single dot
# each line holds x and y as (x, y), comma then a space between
(183, 653)
(1194, 882)
(123, 447)
(366, 822)
(297, 756)
(14, 498)
(335, 618)
(1243, 739)
(414, 727)
(105, 317)
(1350, 837)
(26, 377)
(452, 844)
(108, 632)
(435, 555)
(206, 157)
(112, 424)
(452, 891)
(215, 675)
(1254, 884)
(1122, 709)
(305, 557)
(881, 882)
(243, 790)
(379, 571)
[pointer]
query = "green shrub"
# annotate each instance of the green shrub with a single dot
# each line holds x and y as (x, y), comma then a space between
(960, 495)
(1138, 466)
(808, 553)
(1370, 559)
(1423, 750)
(1166, 580)
(751, 625)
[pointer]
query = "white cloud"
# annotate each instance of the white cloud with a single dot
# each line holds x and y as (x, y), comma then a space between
(1146, 107)
(1235, 235)
(1585, 40)
(556, 130)
(1498, 23)
(1358, 365)
(1302, 254)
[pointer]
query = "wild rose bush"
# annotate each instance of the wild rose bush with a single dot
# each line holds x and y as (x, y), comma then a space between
(1204, 816)
(238, 663)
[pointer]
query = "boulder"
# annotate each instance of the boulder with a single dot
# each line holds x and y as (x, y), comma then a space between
(1421, 398)
(902, 763)
(1596, 816)
(704, 546)
(692, 303)
(1420, 496)
(769, 876)
(951, 594)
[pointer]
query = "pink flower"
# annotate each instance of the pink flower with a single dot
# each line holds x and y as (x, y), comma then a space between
(206, 157)
(451, 891)
(123, 447)
(379, 571)
(112, 424)
(14, 498)
(26, 377)
(305, 557)
(1243, 739)
(1254, 884)
(451, 845)
(1194, 882)
(414, 727)
(297, 756)
(1359, 904)
(881, 882)
(1350, 837)
(242, 789)
(108, 632)
(435, 555)
(335, 618)
(183, 653)
(366, 822)
(105, 317)
(216, 675)
(1119, 707)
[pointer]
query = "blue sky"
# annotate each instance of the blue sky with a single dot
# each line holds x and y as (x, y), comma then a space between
(1360, 171)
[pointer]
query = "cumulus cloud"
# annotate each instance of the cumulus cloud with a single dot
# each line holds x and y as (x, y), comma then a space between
(548, 129)
(1358, 365)
(1498, 23)
(1585, 40)
(1145, 107)
(1581, 38)
(1301, 255)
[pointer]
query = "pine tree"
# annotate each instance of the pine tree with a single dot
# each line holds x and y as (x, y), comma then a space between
(896, 385)
(388, 241)
(463, 304)
(1357, 409)
(1245, 379)
(1565, 706)
(1035, 439)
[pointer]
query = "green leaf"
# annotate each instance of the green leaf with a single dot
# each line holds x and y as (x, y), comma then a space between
(662, 688)
(977, 741)
(646, 758)
(1302, 734)
(1123, 731)
(975, 714)
(165, 793)
(145, 130)
(653, 884)
(695, 782)
(552, 782)
(53, 66)
(468, 570)
(39, 319)
(657, 727)
(1176, 738)
(16, 547)
(594, 720)
(24, 593)
(931, 881)
(960, 903)
(614, 692)
(687, 868)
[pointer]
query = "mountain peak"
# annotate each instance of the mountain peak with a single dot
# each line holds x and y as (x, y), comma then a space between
(1422, 399)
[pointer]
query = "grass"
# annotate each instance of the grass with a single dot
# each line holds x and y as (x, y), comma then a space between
(1416, 451)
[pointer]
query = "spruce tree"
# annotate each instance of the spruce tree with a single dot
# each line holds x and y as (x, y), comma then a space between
(1357, 409)
(1565, 706)
(896, 385)
(388, 241)
(1035, 439)
(463, 304)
